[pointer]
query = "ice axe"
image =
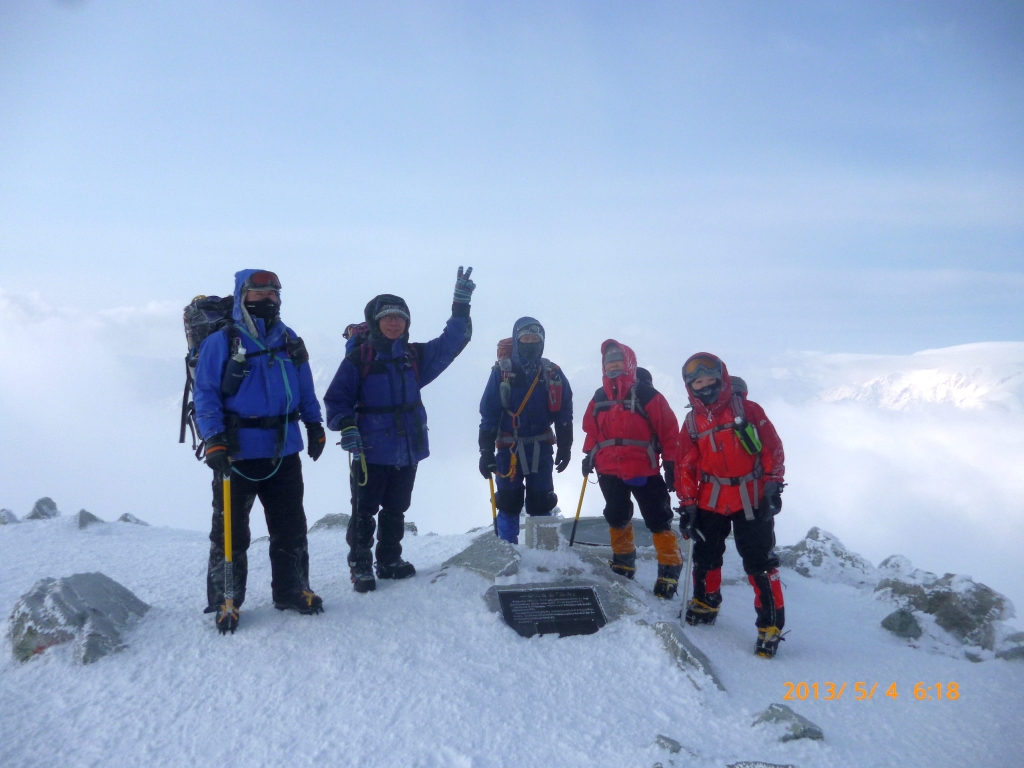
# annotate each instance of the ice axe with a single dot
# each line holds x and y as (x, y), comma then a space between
(494, 504)
(227, 620)
(579, 506)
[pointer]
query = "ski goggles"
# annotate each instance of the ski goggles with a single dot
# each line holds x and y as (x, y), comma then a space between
(533, 328)
(702, 365)
(262, 281)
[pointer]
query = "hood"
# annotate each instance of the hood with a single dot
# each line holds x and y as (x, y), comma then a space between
(380, 342)
(522, 322)
(239, 313)
(723, 397)
(617, 387)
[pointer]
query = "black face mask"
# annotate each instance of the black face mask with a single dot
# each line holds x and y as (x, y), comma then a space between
(530, 350)
(709, 394)
(265, 309)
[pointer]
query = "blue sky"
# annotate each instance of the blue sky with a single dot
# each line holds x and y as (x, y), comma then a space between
(850, 173)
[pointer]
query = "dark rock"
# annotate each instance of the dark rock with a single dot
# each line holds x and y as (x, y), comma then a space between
(902, 624)
(128, 517)
(795, 726)
(821, 555)
(85, 519)
(7, 517)
(89, 609)
(44, 509)
(1012, 647)
(1011, 654)
(962, 607)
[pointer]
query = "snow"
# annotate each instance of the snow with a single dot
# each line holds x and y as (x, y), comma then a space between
(422, 674)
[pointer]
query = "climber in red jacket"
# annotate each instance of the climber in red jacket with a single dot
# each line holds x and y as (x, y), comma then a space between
(629, 425)
(730, 475)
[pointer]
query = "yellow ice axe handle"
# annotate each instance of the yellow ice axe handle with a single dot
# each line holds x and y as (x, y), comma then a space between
(579, 506)
(229, 567)
(494, 504)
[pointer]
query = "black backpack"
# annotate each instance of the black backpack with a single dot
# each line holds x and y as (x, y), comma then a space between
(204, 316)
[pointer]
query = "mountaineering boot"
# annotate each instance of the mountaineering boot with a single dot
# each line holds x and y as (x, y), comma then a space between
(668, 581)
(768, 639)
(397, 569)
(361, 573)
(698, 612)
(226, 620)
(304, 601)
(624, 565)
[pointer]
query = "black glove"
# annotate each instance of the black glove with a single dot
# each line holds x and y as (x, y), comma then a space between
(217, 453)
(670, 475)
(563, 435)
(688, 521)
(588, 465)
(771, 504)
(317, 439)
(488, 463)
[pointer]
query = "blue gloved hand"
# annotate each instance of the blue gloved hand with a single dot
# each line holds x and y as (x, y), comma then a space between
(352, 441)
(464, 287)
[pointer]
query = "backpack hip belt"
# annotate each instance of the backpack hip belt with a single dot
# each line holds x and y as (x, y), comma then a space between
(648, 444)
(518, 446)
(718, 482)
(234, 422)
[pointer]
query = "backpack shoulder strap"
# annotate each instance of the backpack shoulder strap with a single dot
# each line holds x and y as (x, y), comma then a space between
(413, 353)
(690, 422)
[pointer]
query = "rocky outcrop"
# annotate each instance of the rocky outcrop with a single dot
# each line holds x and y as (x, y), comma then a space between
(44, 509)
(341, 520)
(7, 517)
(821, 555)
(85, 518)
(90, 610)
(902, 624)
(128, 517)
(793, 726)
(488, 556)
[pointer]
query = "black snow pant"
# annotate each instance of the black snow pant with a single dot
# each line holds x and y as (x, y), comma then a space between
(755, 542)
(652, 498)
(389, 490)
(281, 497)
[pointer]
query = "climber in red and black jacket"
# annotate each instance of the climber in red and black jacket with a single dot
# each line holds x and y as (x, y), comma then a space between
(629, 426)
(730, 476)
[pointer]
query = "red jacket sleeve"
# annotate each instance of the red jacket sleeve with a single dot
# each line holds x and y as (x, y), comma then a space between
(773, 457)
(665, 426)
(687, 468)
(589, 427)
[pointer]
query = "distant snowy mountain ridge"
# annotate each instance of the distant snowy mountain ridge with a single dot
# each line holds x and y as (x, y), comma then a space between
(971, 377)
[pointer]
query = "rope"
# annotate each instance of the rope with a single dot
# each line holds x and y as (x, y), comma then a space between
(515, 430)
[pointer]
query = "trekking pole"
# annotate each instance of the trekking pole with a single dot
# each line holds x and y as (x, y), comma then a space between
(494, 504)
(229, 565)
(578, 508)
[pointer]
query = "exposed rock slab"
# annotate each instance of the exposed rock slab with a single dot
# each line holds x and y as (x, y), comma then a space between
(488, 556)
(794, 726)
(341, 520)
(822, 556)
(44, 509)
(902, 624)
(84, 519)
(89, 609)
(687, 655)
(128, 517)
(1012, 647)
(541, 532)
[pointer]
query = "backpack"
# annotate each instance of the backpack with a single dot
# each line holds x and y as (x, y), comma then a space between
(745, 431)
(632, 403)
(205, 315)
(357, 338)
(550, 373)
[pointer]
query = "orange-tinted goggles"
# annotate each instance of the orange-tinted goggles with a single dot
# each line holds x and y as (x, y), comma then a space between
(702, 365)
(263, 281)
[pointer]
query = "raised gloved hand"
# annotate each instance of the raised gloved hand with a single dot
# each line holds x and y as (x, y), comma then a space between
(588, 465)
(317, 439)
(217, 453)
(670, 475)
(464, 287)
(488, 464)
(352, 441)
(771, 504)
(688, 521)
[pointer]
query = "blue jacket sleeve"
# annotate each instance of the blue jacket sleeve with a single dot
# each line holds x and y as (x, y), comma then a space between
(439, 353)
(213, 354)
(342, 396)
(490, 403)
(564, 415)
(309, 406)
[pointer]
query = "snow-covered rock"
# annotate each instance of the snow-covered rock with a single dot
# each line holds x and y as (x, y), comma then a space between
(902, 623)
(90, 609)
(488, 556)
(821, 555)
(44, 509)
(966, 609)
(792, 725)
(84, 519)
(128, 517)
(341, 520)
(7, 517)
